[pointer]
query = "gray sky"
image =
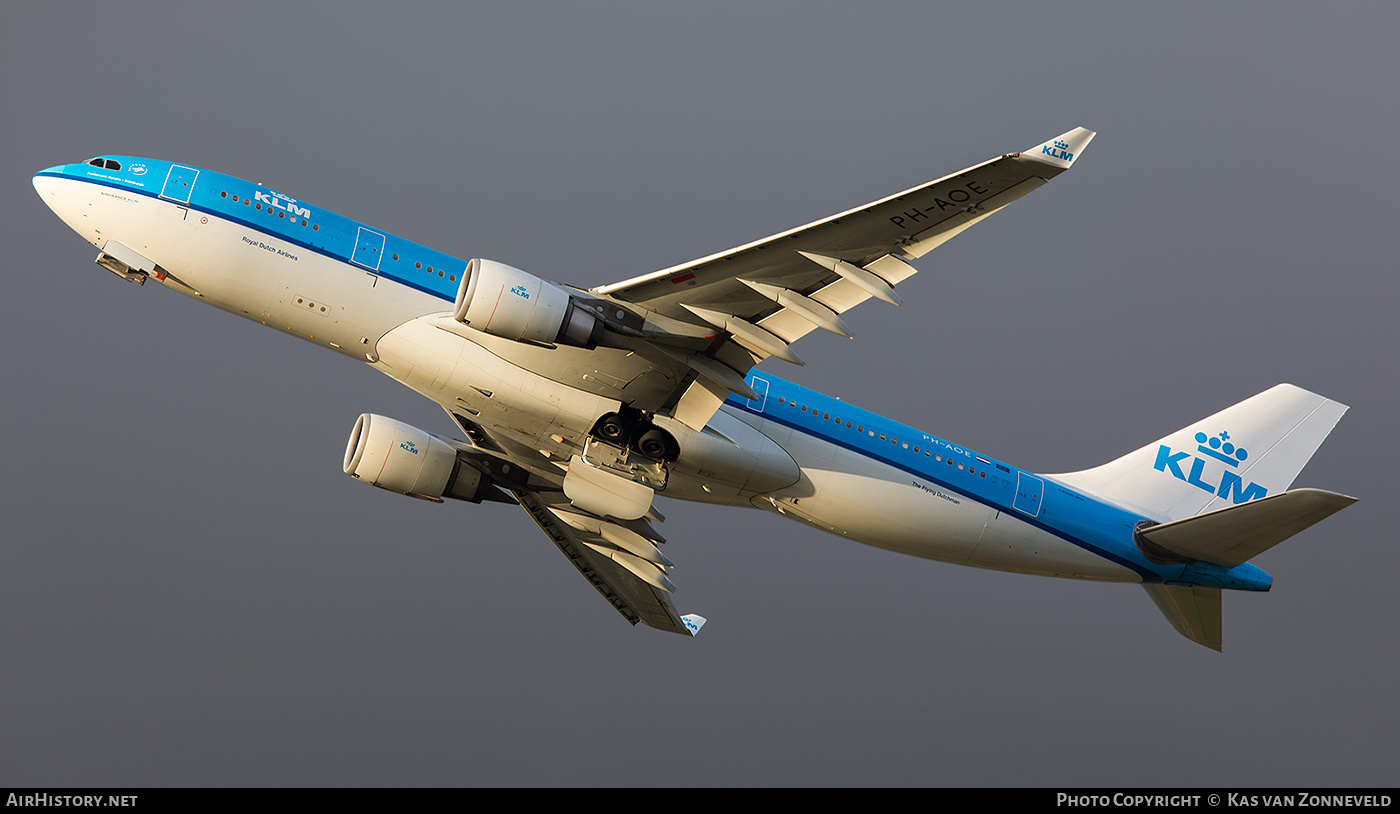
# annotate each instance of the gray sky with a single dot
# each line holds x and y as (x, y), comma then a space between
(191, 592)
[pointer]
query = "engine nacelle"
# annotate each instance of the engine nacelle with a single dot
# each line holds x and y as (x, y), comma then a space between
(507, 302)
(402, 458)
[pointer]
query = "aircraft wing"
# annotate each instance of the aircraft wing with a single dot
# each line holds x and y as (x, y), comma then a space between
(620, 558)
(622, 561)
(755, 300)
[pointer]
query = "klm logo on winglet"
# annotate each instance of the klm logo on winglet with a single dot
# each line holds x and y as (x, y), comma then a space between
(1058, 149)
(1217, 448)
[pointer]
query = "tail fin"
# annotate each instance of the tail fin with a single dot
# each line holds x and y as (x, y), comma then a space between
(1251, 450)
(1219, 489)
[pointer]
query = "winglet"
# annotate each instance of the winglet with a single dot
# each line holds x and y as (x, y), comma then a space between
(693, 623)
(1063, 149)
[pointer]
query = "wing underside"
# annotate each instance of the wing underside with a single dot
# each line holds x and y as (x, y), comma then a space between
(621, 561)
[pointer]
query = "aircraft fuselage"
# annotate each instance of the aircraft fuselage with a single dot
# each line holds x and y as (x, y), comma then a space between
(379, 298)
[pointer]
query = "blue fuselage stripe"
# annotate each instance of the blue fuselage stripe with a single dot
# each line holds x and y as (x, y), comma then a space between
(883, 427)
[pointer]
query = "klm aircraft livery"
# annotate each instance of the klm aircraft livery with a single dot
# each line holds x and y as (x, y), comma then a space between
(1219, 448)
(582, 406)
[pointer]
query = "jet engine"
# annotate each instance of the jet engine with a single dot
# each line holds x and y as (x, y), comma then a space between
(509, 303)
(402, 458)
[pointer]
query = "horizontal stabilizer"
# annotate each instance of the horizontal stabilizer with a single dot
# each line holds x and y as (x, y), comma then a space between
(1193, 611)
(1231, 536)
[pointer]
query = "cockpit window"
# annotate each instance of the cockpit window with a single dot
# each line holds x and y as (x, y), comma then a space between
(104, 163)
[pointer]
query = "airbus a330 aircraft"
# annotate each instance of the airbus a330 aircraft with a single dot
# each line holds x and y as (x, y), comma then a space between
(583, 405)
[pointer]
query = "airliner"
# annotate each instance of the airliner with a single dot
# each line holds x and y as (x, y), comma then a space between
(582, 405)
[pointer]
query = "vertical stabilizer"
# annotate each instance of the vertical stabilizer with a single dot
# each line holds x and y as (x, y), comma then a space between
(1251, 450)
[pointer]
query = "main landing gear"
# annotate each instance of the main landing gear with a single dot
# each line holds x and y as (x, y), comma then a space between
(622, 467)
(630, 429)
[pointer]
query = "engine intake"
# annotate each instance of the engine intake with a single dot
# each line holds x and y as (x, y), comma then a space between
(507, 302)
(402, 458)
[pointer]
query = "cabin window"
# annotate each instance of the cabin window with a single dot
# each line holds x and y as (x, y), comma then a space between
(223, 194)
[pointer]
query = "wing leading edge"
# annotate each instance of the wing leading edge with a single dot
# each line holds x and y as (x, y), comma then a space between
(759, 298)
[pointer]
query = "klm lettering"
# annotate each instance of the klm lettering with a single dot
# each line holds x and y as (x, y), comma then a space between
(1231, 485)
(286, 204)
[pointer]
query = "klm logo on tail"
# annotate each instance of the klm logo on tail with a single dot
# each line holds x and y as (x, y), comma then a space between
(1217, 448)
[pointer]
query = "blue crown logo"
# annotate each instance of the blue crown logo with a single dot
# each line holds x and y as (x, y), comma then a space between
(1061, 145)
(1221, 448)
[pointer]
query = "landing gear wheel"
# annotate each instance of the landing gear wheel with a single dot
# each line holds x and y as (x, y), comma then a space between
(613, 428)
(658, 445)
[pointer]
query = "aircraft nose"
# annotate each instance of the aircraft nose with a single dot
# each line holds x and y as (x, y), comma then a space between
(66, 199)
(46, 183)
